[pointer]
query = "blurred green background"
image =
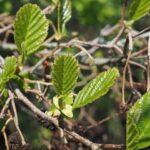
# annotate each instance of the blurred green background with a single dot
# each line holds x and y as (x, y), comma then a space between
(86, 13)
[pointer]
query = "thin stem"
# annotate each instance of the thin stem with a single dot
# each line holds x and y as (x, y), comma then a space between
(139, 52)
(59, 20)
(93, 146)
(5, 107)
(16, 118)
(124, 5)
(54, 121)
(124, 76)
(4, 133)
(130, 76)
(137, 64)
(37, 82)
(102, 121)
(148, 66)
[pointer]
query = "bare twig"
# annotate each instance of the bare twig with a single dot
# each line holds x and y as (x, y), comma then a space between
(139, 52)
(6, 28)
(41, 95)
(94, 146)
(37, 82)
(115, 40)
(15, 118)
(137, 64)
(108, 30)
(54, 121)
(5, 107)
(85, 51)
(142, 32)
(4, 133)
(123, 13)
(102, 121)
(123, 78)
(33, 108)
(148, 66)
(130, 76)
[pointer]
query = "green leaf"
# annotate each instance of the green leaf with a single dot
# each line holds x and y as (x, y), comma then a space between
(138, 9)
(54, 1)
(96, 88)
(8, 71)
(56, 102)
(138, 124)
(65, 72)
(64, 15)
(131, 134)
(55, 112)
(68, 99)
(67, 111)
(31, 29)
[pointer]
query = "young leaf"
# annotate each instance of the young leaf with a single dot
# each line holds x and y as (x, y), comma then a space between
(68, 99)
(56, 102)
(65, 72)
(96, 88)
(54, 111)
(138, 124)
(138, 9)
(8, 71)
(64, 15)
(67, 111)
(31, 29)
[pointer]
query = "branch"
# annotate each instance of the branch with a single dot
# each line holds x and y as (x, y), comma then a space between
(94, 146)
(15, 118)
(5, 107)
(148, 66)
(123, 13)
(4, 133)
(6, 28)
(36, 111)
(32, 107)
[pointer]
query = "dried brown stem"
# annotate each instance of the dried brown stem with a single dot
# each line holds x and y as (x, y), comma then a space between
(15, 118)
(4, 133)
(92, 145)
(123, 78)
(102, 121)
(5, 107)
(148, 66)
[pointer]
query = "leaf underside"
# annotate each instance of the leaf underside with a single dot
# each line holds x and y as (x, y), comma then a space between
(30, 28)
(96, 88)
(65, 72)
(138, 124)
